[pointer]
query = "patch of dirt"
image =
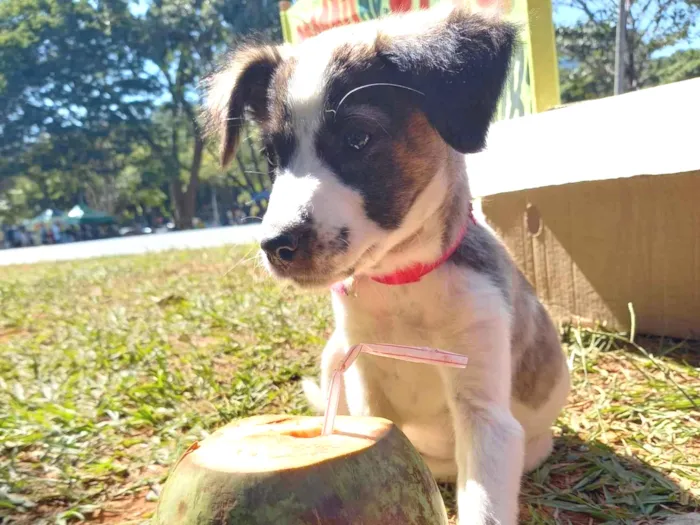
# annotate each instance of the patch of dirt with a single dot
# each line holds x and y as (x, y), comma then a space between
(225, 367)
(558, 516)
(187, 341)
(127, 511)
(6, 335)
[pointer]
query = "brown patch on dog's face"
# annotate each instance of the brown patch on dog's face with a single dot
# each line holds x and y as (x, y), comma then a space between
(384, 148)
(420, 154)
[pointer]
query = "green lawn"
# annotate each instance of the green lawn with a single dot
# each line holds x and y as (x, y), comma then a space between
(109, 368)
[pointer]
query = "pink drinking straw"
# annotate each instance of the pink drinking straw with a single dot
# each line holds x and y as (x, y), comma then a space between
(430, 356)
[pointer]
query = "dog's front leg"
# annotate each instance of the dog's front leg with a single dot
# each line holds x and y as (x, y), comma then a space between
(333, 354)
(489, 442)
(490, 464)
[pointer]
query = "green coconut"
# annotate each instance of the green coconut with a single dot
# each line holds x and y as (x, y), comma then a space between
(280, 470)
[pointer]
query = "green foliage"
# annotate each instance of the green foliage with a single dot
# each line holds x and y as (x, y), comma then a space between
(681, 65)
(592, 47)
(587, 46)
(110, 172)
(64, 66)
(89, 88)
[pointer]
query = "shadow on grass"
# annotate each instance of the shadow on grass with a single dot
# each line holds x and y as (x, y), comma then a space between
(586, 482)
(682, 351)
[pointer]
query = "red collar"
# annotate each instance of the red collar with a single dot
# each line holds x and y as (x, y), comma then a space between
(415, 272)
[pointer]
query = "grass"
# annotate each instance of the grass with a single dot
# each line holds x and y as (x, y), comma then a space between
(109, 368)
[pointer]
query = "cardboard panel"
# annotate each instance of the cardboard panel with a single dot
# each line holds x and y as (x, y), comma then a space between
(640, 133)
(603, 244)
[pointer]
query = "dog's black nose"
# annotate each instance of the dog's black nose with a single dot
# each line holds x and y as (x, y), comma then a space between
(282, 246)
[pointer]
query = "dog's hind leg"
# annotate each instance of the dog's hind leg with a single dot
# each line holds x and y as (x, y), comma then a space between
(537, 450)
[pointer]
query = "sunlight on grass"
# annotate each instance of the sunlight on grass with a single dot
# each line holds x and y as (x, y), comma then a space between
(109, 368)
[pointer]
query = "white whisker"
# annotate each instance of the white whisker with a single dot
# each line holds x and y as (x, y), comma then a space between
(373, 85)
(243, 260)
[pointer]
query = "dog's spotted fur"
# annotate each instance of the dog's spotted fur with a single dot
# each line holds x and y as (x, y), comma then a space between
(366, 127)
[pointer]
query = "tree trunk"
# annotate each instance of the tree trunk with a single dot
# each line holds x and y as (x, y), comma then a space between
(215, 207)
(632, 73)
(620, 84)
(186, 198)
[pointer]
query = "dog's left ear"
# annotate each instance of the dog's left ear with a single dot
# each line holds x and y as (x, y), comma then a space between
(239, 92)
(460, 64)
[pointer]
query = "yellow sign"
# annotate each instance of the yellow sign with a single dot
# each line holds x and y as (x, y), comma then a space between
(533, 85)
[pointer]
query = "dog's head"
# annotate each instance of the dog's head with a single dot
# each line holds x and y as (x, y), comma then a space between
(360, 124)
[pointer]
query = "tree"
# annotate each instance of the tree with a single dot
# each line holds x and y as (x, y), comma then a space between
(587, 45)
(68, 89)
(64, 67)
(111, 173)
(86, 83)
(179, 40)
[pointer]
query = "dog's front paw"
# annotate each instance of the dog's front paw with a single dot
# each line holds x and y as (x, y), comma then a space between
(476, 508)
(482, 520)
(314, 395)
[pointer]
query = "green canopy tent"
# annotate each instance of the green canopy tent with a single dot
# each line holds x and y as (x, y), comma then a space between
(81, 214)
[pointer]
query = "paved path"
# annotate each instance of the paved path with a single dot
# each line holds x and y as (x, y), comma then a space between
(157, 242)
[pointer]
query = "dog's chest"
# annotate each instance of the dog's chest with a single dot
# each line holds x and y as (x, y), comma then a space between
(410, 394)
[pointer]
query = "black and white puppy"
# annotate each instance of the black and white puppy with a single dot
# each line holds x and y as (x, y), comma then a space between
(367, 126)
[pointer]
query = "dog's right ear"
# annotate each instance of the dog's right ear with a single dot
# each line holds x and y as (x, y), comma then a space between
(239, 92)
(459, 63)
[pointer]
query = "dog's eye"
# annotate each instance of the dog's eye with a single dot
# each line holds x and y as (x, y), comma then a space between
(357, 139)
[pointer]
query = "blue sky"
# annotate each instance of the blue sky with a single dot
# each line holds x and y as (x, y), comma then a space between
(565, 15)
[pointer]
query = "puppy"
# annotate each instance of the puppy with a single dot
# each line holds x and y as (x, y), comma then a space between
(365, 127)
